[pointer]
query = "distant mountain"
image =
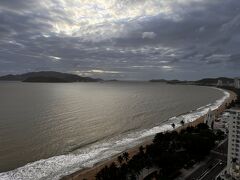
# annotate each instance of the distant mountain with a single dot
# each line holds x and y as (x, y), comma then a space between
(169, 81)
(158, 80)
(47, 76)
(44, 79)
(112, 80)
(205, 81)
(214, 81)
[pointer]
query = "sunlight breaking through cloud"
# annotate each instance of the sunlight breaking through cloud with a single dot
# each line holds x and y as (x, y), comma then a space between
(127, 39)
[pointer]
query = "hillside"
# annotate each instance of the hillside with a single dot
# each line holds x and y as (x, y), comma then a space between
(205, 81)
(47, 76)
(214, 81)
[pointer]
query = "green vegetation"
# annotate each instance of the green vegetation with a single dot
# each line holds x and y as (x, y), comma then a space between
(169, 152)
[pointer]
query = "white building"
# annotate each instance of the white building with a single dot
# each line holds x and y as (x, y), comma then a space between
(237, 83)
(209, 119)
(233, 159)
(220, 83)
(221, 122)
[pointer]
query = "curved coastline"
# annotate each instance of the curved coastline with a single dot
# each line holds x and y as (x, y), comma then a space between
(84, 164)
(217, 108)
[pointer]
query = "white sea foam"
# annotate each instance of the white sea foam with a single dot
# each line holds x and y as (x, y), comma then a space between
(58, 166)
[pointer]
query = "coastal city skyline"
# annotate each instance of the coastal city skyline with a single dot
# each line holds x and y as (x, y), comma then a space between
(126, 40)
(119, 90)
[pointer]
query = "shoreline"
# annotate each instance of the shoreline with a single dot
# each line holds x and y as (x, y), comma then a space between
(89, 173)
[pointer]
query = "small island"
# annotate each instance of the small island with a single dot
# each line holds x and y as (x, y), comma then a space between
(48, 76)
(45, 79)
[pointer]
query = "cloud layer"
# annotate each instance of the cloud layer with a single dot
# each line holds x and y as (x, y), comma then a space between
(128, 39)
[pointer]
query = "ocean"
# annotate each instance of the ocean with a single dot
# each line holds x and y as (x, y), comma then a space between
(48, 130)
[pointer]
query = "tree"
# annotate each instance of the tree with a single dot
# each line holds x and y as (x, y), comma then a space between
(120, 159)
(170, 151)
(148, 163)
(202, 126)
(126, 156)
(182, 122)
(219, 135)
(98, 176)
(141, 150)
(212, 125)
(123, 171)
(158, 137)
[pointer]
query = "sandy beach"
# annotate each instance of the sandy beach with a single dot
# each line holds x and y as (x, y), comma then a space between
(89, 173)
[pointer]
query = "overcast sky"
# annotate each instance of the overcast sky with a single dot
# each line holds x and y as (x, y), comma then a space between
(121, 39)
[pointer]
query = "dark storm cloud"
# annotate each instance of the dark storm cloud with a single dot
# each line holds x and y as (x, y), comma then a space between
(140, 40)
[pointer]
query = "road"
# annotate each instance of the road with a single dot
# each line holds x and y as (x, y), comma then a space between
(213, 166)
(214, 171)
(203, 170)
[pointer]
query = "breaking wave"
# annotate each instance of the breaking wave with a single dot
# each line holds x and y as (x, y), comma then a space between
(56, 167)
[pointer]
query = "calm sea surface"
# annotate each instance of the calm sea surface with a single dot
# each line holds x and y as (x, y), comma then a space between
(39, 121)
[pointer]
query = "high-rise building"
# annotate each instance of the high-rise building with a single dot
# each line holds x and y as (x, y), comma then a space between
(209, 119)
(233, 160)
(220, 83)
(237, 83)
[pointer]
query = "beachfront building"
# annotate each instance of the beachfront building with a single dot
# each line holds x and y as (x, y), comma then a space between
(232, 171)
(220, 83)
(237, 83)
(233, 162)
(209, 119)
(221, 122)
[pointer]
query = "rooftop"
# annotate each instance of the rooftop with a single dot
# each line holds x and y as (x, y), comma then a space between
(234, 109)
